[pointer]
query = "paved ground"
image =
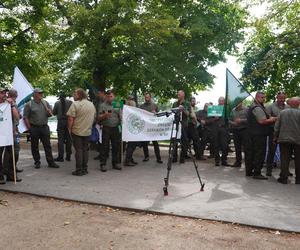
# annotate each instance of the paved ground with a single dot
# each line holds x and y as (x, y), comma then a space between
(228, 195)
(29, 222)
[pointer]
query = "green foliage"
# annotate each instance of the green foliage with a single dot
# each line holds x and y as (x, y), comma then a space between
(131, 45)
(271, 58)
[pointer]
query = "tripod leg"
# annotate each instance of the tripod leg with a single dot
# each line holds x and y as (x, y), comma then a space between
(172, 146)
(196, 167)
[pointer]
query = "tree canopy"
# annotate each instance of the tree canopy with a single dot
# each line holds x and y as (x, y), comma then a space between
(271, 58)
(142, 45)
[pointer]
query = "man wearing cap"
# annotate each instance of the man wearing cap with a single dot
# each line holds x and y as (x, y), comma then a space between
(36, 114)
(60, 109)
(109, 118)
(150, 106)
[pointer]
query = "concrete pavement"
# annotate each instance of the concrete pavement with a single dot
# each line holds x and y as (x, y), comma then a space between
(228, 194)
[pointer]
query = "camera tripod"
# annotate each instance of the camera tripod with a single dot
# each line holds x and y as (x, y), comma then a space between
(173, 146)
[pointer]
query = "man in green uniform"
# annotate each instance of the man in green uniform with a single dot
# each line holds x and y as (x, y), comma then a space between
(81, 116)
(274, 110)
(60, 109)
(287, 134)
(185, 110)
(150, 106)
(238, 124)
(258, 128)
(36, 114)
(109, 118)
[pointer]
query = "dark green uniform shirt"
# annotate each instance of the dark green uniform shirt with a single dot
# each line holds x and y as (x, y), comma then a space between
(114, 120)
(36, 112)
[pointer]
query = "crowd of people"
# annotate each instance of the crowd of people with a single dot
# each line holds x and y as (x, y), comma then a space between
(254, 130)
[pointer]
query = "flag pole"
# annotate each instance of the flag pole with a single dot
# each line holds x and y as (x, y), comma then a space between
(14, 162)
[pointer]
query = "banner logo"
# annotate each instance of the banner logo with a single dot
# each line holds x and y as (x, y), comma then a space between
(135, 124)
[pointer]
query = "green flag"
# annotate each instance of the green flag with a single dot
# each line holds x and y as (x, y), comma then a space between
(235, 93)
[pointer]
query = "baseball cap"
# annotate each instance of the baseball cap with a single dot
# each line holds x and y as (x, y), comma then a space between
(38, 90)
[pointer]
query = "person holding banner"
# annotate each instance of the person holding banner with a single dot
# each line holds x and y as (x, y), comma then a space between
(150, 106)
(7, 163)
(220, 137)
(36, 114)
(185, 109)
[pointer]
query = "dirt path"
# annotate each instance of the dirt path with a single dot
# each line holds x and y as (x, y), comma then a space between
(29, 222)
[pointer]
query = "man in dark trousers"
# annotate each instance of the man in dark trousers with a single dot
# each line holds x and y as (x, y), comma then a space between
(287, 134)
(206, 126)
(150, 106)
(60, 109)
(193, 134)
(6, 159)
(220, 138)
(258, 128)
(274, 110)
(109, 119)
(81, 116)
(185, 109)
(36, 114)
(238, 123)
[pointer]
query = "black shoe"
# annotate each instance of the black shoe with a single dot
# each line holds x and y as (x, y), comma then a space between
(53, 165)
(2, 180)
(77, 173)
(201, 158)
(59, 159)
(12, 179)
(159, 161)
(18, 170)
(225, 164)
(146, 158)
(84, 172)
(217, 164)
(117, 167)
(181, 160)
(260, 177)
(128, 164)
(97, 157)
(269, 172)
(236, 165)
(174, 160)
(249, 174)
(103, 167)
(68, 158)
(133, 162)
(37, 165)
(282, 181)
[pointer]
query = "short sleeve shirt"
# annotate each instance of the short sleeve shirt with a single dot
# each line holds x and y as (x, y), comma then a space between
(259, 113)
(83, 112)
(36, 112)
(114, 120)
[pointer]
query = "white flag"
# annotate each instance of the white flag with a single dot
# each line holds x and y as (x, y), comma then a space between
(25, 91)
(6, 127)
(141, 125)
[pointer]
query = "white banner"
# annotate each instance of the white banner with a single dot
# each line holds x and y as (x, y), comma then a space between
(25, 91)
(141, 125)
(6, 127)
